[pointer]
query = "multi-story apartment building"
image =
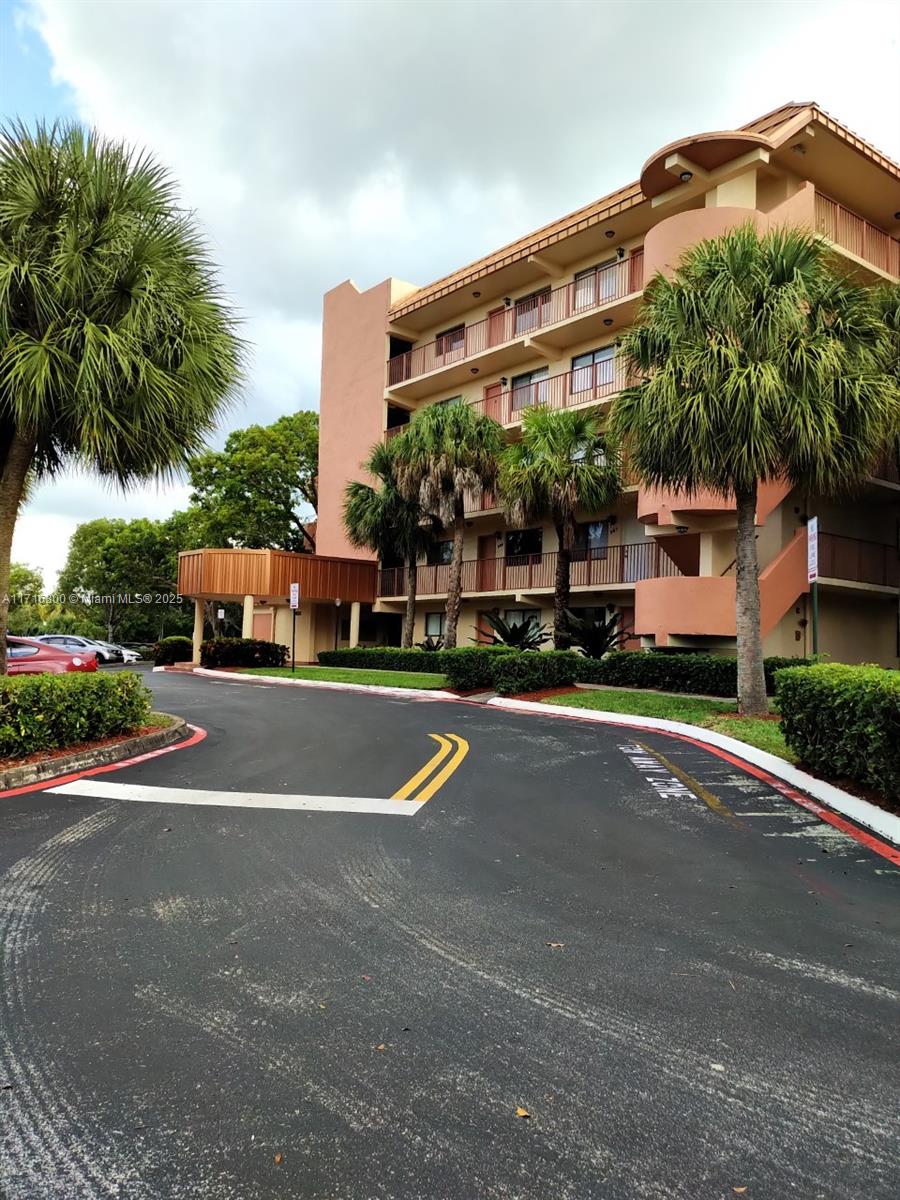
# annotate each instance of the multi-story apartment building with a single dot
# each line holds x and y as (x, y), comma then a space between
(536, 322)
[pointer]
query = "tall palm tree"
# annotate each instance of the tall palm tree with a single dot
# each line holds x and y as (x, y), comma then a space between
(117, 352)
(562, 463)
(756, 361)
(449, 450)
(383, 520)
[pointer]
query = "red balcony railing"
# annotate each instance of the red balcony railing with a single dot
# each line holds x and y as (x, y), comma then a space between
(528, 572)
(536, 312)
(845, 228)
(858, 561)
(584, 385)
(393, 431)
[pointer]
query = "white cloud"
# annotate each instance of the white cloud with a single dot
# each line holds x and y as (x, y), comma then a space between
(362, 138)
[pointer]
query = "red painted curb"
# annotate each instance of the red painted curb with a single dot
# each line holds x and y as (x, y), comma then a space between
(197, 735)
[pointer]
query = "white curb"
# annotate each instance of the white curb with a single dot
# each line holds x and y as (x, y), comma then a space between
(861, 812)
(367, 689)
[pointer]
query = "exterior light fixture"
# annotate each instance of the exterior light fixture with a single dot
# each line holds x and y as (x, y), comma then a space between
(681, 528)
(686, 176)
(507, 301)
(476, 294)
(620, 252)
(503, 380)
(897, 216)
(607, 320)
(474, 370)
(610, 233)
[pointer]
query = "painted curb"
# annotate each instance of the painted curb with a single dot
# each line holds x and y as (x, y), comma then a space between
(366, 689)
(52, 768)
(884, 824)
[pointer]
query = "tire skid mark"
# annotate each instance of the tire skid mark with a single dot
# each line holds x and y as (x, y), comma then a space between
(836, 1124)
(42, 1123)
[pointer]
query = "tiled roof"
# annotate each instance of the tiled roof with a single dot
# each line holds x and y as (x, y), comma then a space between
(770, 125)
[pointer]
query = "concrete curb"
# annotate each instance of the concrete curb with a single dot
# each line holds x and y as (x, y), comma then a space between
(83, 760)
(883, 824)
(364, 688)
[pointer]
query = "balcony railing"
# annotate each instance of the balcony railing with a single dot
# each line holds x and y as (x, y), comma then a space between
(394, 430)
(854, 233)
(529, 572)
(858, 561)
(887, 468)
(584, 385)
(536, 312)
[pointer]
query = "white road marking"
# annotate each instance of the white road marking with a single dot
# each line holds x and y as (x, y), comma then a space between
(167, 795)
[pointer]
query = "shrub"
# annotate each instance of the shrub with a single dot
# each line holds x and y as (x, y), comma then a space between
(844, 721)
(706, 674)
(596, 637)
(466, 667)
(533, 672)
(173, 650)
(517, 635)
(242, 652)
(50, 712)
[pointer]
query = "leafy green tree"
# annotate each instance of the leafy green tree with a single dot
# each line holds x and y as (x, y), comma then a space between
(383, 520)
(251, 493)
(446, 451)
(117, 352)
(563, 463)
(26, 589)
(756, 361)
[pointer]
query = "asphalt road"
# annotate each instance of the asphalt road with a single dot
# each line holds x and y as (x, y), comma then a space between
(691, 991)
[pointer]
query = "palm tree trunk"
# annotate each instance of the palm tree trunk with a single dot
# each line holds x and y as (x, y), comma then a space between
(751, 677)
(565, 534)
(409, 617)
(12, 486)
(454, 586)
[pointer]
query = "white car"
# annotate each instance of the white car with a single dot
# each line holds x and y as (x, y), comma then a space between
(130, 656)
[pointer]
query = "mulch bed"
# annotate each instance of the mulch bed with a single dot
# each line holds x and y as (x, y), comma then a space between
(547, 694)
(63, 752)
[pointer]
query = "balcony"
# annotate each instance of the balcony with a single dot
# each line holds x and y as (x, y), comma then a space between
(851, 232)
(491, 340)
(571, 389)
(856, 561)
(594, 569)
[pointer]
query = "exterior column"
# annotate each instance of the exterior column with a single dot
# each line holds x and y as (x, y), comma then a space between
(355, 608)
(247, 622)
(198, 631)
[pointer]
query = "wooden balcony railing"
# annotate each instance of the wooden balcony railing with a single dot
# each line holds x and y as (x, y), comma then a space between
(394, 430)
(887, 468)
(582, 295)
(854, 233)
(858, 561)
(584, 385)
(528, 572)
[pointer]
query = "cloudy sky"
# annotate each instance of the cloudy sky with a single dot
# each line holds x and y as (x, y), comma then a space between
(363, 138)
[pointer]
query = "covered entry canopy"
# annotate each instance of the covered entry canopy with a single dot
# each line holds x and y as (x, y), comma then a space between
(267, 575)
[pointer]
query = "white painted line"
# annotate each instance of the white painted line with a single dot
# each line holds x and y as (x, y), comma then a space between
(235, 678)
(104, 790)
(883, 824)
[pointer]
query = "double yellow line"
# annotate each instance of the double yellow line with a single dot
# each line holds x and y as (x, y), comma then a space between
(437, 770)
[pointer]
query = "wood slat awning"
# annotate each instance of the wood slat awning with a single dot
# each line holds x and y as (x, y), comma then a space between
(211, 574)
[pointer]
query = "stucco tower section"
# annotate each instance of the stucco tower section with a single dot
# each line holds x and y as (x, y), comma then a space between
(351, 416)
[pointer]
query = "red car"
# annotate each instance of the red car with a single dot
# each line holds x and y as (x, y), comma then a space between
(24, 656)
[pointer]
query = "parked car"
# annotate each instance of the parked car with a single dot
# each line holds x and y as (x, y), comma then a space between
(116, 651)
(74, 644)
(28, 656)
(130, 656)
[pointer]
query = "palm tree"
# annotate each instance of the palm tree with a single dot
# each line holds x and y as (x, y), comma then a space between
(562, 463)
(383, 520)
(117, 353)
(449, 450)
(756, 361)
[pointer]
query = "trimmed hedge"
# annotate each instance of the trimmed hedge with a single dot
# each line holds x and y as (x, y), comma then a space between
(50, 712)
(535, 670)
(173, 650)
(242, 652)
(467, 668)
(844, 722)
(707, 674)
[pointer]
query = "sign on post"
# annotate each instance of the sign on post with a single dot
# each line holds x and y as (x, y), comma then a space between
(295, 595)
(221, 614)
(812, 549)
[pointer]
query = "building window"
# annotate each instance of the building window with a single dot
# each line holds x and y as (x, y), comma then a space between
(524, 545)
(439, 554)
(532, 311)
(591, 540)
(596, 285)
(594, 372)
(434, 624)
(529, 389)
(519, 616)
(450, 341)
